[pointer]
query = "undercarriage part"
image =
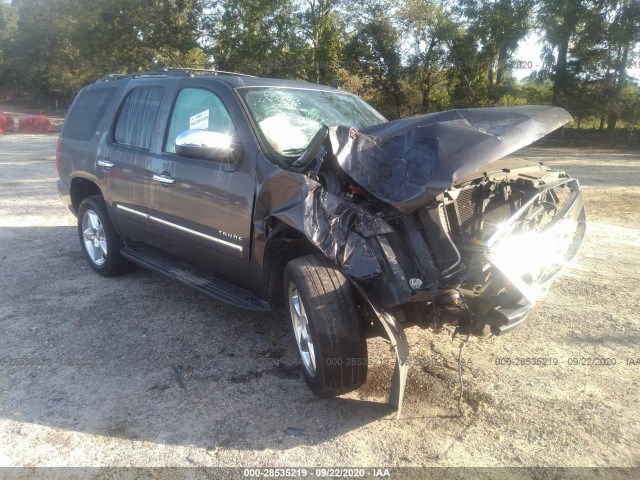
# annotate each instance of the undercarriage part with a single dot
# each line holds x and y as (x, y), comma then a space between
(449, 299)
(398, 340)
(420, 262)
(400, 291)
(452, 309)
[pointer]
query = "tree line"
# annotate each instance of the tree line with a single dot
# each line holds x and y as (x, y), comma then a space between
(405, 58)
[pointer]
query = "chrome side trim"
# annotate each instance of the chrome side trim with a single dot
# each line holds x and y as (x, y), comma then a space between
(180, 227)
(163, 179)
(194, 232)
(131, 210)
(106, 163)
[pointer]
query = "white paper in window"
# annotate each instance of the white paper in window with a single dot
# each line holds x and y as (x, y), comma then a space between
(199, 121)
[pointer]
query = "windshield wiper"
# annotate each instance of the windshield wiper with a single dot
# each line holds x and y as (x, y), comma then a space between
(293, 151)
(314, 150)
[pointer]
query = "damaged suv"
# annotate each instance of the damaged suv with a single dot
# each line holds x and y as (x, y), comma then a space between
(255, 190)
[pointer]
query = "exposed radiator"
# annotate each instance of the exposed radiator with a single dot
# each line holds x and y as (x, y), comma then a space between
(476, 224)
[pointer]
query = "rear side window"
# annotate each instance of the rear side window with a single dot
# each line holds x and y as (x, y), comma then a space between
(87, 111)
(137, 117)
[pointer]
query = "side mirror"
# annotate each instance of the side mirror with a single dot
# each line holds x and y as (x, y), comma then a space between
(207, 145)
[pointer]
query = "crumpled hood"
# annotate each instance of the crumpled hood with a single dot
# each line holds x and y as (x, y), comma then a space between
(408, 162)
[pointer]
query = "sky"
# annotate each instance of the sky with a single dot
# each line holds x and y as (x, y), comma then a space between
(528, 55)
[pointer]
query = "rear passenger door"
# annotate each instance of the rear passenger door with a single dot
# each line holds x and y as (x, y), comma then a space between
(123, 157)
(201, 209)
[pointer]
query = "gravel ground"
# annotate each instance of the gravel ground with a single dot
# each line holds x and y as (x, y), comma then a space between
(141, 371)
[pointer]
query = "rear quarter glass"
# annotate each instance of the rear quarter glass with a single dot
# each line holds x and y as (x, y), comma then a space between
(86, 112)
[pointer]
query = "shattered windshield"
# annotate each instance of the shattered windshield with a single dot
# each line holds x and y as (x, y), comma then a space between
(288, 118)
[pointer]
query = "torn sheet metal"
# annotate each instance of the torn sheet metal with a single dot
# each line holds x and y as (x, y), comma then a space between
(408, 162)
(398, 340)
(336, 226)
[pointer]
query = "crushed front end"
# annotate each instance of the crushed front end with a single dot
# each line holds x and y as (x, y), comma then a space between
(482, 253)
(432, 220)
(471, 237)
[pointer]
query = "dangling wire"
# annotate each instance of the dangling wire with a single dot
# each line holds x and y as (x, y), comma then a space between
(462, 345)
(433, 291)
(457, 331)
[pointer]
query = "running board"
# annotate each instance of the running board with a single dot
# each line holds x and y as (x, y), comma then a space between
(211, 287)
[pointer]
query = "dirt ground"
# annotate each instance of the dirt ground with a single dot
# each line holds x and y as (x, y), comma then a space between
(141, 371)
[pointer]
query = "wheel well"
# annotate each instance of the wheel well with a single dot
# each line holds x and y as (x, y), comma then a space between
(82, 188)
(284, 245)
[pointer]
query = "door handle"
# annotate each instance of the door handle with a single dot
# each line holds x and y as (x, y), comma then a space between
(106, 163)
(164, 178)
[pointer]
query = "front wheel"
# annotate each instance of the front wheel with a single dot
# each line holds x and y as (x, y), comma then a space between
(100, 242)
(326, 326)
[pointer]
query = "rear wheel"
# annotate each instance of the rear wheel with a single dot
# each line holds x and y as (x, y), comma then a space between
(326, 326)
(100, 243)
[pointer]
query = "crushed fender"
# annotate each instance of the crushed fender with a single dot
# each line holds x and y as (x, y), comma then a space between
(337, 227)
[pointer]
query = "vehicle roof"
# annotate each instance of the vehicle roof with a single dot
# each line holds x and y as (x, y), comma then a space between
(232, 81)
(240, 82)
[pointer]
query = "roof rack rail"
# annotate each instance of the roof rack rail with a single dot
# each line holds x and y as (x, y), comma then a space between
(204, 71)
(168, 72)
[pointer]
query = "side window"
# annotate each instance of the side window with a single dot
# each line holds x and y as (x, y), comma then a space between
(197, 108)
(87, 111)
(137, 117)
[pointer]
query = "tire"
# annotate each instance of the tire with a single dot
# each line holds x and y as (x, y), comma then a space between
(99, 241)
(332, 346)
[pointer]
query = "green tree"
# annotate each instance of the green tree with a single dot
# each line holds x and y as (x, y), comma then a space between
(8, 32)
(322, 29)
(467, 75)
(498, 26)
(134, 35)
(373, 53)
(561, 22)
(594, 47)
(622, 36)
(60, 45)
(8, 26)
(259, 37)
(43, 53)
(429, 30)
